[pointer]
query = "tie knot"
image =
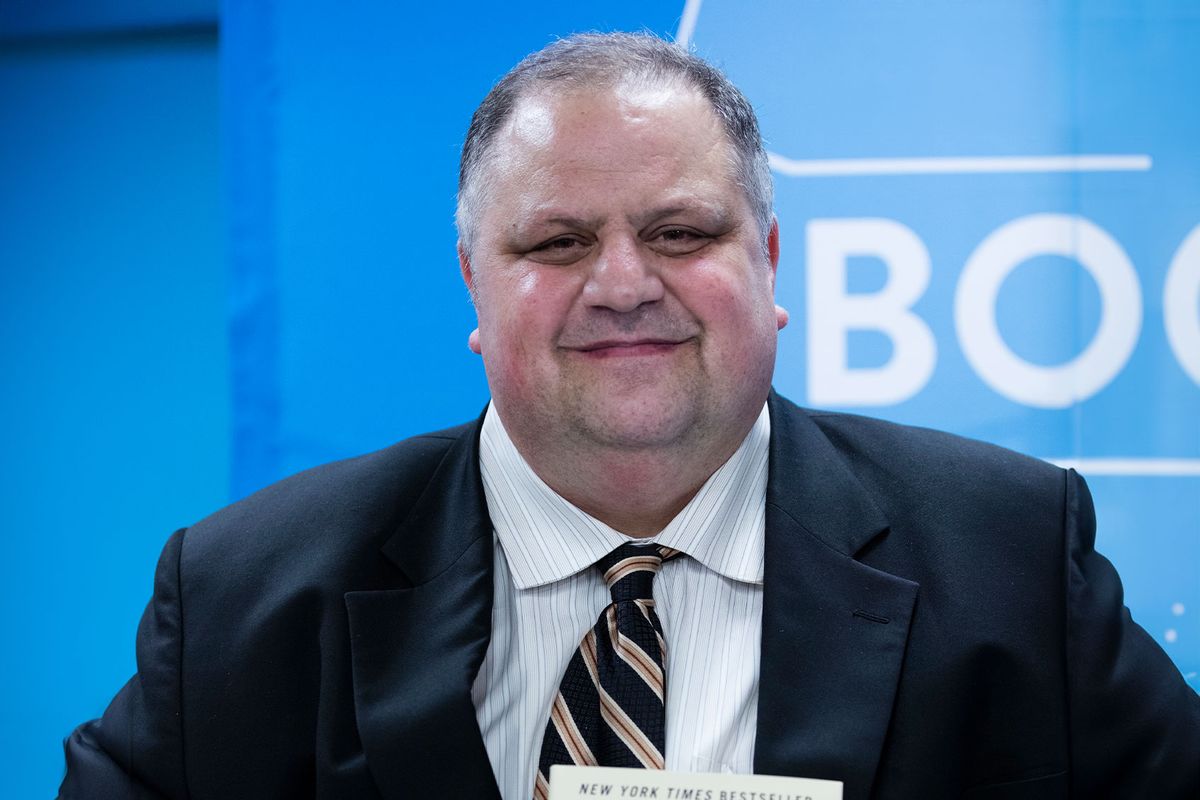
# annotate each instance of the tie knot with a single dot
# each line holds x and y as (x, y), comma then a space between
(630, 569)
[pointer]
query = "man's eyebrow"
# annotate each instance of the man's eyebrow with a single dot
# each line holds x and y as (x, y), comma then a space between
(716, 214)
(555, 217)
(713, 213)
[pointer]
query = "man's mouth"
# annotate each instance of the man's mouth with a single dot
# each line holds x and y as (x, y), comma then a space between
(621, 348)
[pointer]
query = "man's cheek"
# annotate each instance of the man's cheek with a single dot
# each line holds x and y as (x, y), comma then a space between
(514, 368)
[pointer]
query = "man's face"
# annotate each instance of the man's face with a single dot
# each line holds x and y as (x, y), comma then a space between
(624, 294)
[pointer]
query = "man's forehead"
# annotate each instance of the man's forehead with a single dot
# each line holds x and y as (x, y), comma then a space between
(640, 173)
(538, 115)
(532, 121)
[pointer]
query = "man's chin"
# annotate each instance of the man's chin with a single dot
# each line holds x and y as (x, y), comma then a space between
(639, 422)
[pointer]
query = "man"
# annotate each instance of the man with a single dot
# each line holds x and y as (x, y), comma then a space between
(911, 613)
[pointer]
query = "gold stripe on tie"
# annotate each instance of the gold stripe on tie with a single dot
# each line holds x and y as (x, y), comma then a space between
(629, 733)
(633, 655)
(568, 731)
(541, 789)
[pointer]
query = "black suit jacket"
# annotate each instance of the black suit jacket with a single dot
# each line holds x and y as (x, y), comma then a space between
(935, 624)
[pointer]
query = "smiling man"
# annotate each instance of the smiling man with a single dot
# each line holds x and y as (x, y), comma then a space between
(639, 556)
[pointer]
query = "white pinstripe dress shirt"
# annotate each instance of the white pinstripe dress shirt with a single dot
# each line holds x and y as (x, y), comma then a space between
(547, 596)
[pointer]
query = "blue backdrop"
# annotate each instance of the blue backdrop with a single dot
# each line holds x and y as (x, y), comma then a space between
(114, 412)
(990, 217)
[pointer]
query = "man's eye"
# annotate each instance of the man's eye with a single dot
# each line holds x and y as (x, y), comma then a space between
(680, 241)
(560, 250)
(678, 233)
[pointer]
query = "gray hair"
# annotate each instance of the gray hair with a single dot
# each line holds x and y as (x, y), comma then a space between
(589, 60)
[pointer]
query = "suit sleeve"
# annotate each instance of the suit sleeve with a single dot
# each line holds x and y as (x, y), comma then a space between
(135, 751)
(1134, 722)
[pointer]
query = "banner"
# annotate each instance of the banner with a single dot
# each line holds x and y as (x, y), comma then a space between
(990, 216)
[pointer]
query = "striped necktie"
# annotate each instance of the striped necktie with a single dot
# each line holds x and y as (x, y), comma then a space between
(609, 708)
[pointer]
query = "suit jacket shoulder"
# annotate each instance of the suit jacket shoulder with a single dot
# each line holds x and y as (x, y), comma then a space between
(937, 461)
(937, 489)
(330, 518)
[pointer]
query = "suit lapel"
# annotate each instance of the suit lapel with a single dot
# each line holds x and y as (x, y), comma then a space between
(416, 651)
(834, 629)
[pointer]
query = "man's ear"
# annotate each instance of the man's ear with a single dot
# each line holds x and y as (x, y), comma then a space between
(781, 313)
(464, 266)
(773, 244)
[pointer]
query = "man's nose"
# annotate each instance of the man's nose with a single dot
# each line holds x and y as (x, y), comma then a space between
(623, 277)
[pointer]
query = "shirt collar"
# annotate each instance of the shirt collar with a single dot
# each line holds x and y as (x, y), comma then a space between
(545, 538)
